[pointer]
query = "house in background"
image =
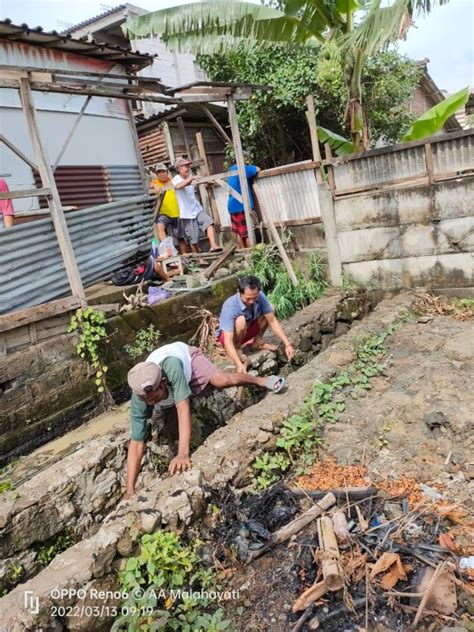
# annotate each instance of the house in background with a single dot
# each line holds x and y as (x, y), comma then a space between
(102, 161)
(427, 94)
(165, 132)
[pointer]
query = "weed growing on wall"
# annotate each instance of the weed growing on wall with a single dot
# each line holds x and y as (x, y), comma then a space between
(284, 296)
(168, 588)
(90, 326)
(146, 341)
(59, 543)
(301, 434)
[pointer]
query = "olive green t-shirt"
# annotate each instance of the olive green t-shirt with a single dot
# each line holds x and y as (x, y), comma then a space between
(179, 390)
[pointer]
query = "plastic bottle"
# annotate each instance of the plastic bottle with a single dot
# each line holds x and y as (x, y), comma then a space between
(154, 248)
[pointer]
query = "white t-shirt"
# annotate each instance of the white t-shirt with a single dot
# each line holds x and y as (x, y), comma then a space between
(178, 350)
(189, 206)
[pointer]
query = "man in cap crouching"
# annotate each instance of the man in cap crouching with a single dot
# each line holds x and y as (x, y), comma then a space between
(170, 376)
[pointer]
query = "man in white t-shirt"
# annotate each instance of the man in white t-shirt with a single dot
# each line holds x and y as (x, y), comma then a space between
(191, 214)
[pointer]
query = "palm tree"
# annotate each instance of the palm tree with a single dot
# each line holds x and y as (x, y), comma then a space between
(360, 29)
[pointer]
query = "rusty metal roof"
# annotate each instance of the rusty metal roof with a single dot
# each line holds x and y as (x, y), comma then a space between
(36, 36)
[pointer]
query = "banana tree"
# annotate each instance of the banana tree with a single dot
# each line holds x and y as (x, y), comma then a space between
(360, 28)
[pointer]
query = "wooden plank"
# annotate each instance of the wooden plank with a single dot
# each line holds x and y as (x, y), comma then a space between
(38, 312)
(306, 165)
(212, 269)
(276, 237)
(184, 138)
(169, 143)
(225, 137)
(230, 190)
(313, 130)
(47, 178)
(239, 157)
(25, 193)
(306, 221)
(71, 132)
(18, 152)
(384, 185)
(206, 171)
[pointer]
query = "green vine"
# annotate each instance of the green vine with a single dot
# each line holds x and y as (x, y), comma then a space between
(301, 434)
(146, 341)
(90, 325)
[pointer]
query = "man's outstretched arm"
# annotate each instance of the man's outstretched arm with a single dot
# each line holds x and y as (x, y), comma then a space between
(134, 461)
(181, 461)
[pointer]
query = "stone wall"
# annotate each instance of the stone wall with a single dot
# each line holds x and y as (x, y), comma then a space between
(81, 489)
(223, 458)
(46, 390)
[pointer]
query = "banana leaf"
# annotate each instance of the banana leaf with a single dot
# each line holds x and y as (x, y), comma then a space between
(433, 120)
(340, 145)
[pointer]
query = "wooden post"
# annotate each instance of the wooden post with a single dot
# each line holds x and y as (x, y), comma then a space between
(330, 234)
(328, 152)
(239, 157)
(54, 201)
(276, 237)
(71, 132)
(169, 143)
(206, 171)
(136, 142)
(313, 130)
(182, 130)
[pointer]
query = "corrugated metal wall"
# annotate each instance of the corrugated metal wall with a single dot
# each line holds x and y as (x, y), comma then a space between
(87, 185)
(153, 146)
(31, 266)
(451, 153)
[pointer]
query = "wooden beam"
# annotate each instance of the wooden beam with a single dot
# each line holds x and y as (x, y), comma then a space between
(182, 131)
(276, 237)
(38, 312)
(239, 157)
(313, 130)
(230, 190)
(212, 269)
(18, 152)
(169, 143)
(306, 165)
(225, 137)
(206, 171)
(26, 193)
(54, 201)
(71, 133)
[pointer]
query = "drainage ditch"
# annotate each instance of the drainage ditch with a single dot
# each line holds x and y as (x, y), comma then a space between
(75, 499)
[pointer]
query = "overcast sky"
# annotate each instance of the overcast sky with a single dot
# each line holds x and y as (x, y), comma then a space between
(446, 37)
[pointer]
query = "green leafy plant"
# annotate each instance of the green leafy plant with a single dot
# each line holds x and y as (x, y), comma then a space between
(301, 434)
(13, 577)
(341, 146)
(433, 120)
(90, 325)
(267, 266)
(146, 341)
(173, 589)
(59, 543)
(6, 486)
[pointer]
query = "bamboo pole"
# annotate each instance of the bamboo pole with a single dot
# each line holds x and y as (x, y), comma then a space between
(276, 237)
(239, 157)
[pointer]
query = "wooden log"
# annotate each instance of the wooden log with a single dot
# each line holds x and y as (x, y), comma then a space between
(212, 269)
(206, 172)
(295, 525)
(276, 237)
(313, 130)
(341, 528)
(327, 541)
(310, 595)
(225, 137)
(341, 493)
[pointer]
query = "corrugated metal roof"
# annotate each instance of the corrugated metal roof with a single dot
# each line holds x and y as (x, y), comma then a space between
(133, 60)
(80, 25)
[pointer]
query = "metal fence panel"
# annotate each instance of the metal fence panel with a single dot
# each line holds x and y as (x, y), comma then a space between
(31, 266)
(291, 196)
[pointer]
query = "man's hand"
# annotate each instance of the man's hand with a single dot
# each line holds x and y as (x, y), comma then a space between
(290, 351)
(180, 463)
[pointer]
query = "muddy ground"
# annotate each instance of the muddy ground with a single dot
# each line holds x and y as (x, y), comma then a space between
(417, 422)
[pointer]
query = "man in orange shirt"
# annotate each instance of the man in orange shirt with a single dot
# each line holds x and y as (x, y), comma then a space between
(169, 211)
(6, 207)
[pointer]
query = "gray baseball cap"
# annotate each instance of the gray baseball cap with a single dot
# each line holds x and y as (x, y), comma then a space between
(180, 162)
(161, 167)
(142, 376)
